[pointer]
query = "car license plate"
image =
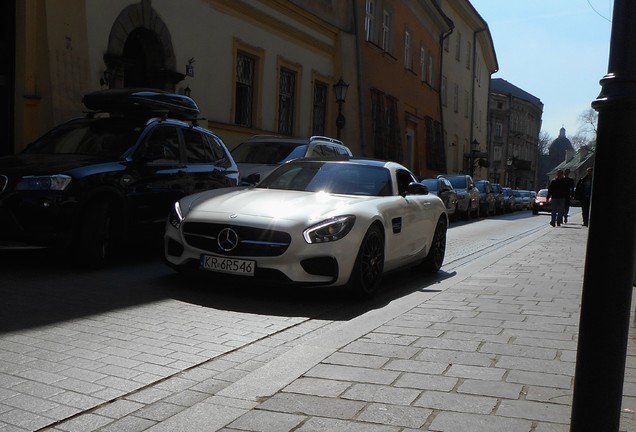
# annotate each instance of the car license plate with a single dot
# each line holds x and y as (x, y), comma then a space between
(227, 265)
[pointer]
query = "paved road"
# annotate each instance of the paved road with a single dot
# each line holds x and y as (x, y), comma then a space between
(71, 341)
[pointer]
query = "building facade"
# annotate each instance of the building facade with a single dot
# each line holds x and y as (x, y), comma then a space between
(254, 67)
(514, 124)
(267, 67)
(469, 60)
(400, 81)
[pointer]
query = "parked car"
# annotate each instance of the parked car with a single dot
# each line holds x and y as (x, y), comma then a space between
(319, 222)
(261, 154)
(522, 199)
(542, 203)
(467, 195)
(443, 189)
(509, 199)
(500, 204)
(532, 199)
(94, 181)
(487, 200)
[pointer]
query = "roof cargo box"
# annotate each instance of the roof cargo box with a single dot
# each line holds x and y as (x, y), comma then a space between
(132, 101)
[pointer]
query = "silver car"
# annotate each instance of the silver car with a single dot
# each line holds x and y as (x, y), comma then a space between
(262, 154)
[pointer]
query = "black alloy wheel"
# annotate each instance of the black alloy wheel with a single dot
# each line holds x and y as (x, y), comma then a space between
(367, 272)
(435, 258)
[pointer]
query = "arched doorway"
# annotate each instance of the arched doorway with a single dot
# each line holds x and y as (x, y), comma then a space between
(140, 51)
(143, 60)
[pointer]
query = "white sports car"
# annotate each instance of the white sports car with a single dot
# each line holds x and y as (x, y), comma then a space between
(312, 222)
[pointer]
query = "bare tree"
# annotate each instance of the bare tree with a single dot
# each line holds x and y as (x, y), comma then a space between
(579, 140)
(588, 121)
(544, 142)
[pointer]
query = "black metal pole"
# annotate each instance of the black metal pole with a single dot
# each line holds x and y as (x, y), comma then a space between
(609, 263)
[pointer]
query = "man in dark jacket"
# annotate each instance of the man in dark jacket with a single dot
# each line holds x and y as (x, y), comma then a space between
(558, 193)
(570, 181)
(583, 193)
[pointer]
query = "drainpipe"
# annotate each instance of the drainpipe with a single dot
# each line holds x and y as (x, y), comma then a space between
(356, 32)
(439, 93)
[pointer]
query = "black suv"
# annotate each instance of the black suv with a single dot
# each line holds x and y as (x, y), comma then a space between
(93, 181)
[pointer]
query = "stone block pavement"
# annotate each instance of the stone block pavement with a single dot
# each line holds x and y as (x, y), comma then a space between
(490, 348)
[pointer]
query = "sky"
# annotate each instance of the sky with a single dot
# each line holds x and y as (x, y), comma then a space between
(556, 50)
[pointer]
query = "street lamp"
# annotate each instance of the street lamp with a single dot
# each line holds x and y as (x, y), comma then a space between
(474, 149)
(340, 88)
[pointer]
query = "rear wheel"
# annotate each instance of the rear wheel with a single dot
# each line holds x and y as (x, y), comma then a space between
(476, 212)
(435, 258)
(469, 210)
(94, 236)
(367, 271)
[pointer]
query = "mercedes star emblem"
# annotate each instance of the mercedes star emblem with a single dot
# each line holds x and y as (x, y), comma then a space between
(227, 239)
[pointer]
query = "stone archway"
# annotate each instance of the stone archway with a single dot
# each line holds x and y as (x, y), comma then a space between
(140, 50)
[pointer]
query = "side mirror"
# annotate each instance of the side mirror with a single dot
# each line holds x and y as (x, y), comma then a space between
(251, 179)
(416, 189)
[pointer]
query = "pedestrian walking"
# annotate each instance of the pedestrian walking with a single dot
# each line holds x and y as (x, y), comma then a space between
(570, 182)
(557, 193)
(583, 193)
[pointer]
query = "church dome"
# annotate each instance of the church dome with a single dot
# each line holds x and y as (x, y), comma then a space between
(561, 144)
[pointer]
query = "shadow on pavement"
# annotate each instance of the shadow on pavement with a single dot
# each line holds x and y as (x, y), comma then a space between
(40, 287)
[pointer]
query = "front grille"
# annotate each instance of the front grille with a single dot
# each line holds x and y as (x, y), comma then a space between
(251, 241)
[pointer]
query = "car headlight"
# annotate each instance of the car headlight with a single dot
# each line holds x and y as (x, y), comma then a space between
(175, 217)
(56, 182)
(329, 230)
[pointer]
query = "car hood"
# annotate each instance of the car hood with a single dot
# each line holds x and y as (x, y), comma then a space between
(270, 204)
(44, 164)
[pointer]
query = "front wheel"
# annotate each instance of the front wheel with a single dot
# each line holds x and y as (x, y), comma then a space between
(94, 236)
(435, 258)
(367, 271)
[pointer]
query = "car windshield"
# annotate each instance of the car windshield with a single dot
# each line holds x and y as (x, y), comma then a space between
(108, 137)
(270, 152)
(458, 182)
(543, 193)
(481, 187)
(332, 177)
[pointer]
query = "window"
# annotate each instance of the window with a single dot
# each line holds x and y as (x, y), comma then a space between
(456, 98)
(369, 20)
(201, 148)
(458, 47)
(423, 64)
(197, 147)
(218, 151)
(386, 31)
(466, 103)
(286, 96)
(244, 91)
(468, 54)
(404, 178)
(320, 108)
(162, 145)
(408, 57)
(431, 71)
(498, 129)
